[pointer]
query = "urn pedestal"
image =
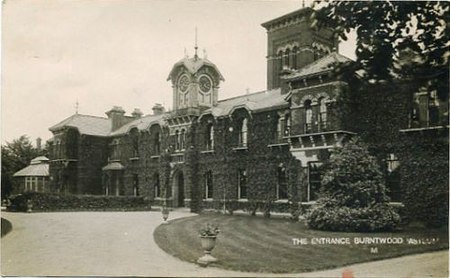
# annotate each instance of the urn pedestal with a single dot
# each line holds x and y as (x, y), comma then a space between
(208, 244)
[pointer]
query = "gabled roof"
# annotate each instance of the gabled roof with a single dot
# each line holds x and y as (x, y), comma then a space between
(193, 65)
(141, 124)
(259, 101)
(321, 65)
(89, 125)
(38, 168)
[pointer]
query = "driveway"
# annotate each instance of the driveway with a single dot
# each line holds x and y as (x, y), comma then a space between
(121, 244)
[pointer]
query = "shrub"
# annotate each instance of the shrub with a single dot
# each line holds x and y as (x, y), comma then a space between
(353, 194)
(54, 202)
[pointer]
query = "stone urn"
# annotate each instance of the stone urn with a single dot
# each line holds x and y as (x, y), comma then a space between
(29, 206)
(208, 244)
(165, 215)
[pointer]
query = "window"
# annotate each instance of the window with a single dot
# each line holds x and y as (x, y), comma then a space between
(157, 143)
(210, 137)
(322, 113)
(135, 142)
(308, 116)
(242, 184)
(208, 185)
(314, 180)
(425, 109)
(115, 151)
(282, 190)
(177, 140)
(294, 57)
(243, 133)
(287, 124)
(280, 60)
(393, 178)
(157, 186)
(135, 185)
(182, 139)
(287, 57)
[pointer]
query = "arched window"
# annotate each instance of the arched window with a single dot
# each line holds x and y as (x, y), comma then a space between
(294, 57)
(210, 137)
(135, 185)
(177, 140)
(157, 186)
(287, 124)
(182, 139)
(157, 143)
(208, 185)
(282, 190)
(308, 115)
(322, 113)
(243, 133)
(280, 60)
(287, 55)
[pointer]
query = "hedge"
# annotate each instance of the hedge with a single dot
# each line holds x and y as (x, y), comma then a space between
(56, 202)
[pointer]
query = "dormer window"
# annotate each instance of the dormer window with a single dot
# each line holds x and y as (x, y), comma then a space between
(182, 139)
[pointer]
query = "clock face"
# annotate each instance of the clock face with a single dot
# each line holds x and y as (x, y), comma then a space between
(183, 83)
(205, 84)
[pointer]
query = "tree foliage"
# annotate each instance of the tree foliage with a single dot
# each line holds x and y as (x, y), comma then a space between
(353, 195)
(15, 156)
(395, 39)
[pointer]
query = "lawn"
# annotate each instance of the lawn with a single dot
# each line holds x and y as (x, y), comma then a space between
(256, 244)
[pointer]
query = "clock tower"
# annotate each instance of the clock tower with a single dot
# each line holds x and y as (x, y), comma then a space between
(195, 83)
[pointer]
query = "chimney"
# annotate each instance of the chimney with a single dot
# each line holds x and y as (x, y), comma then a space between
(137, 113)
(158, 109)
(38, 143)
(116, 114)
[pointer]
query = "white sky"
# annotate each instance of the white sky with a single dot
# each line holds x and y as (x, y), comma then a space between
(120, 52)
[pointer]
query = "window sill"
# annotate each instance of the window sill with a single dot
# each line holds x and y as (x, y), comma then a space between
(134, 158)
(282, 201)
(154, 156)
(277, 145)
(242, 148)
(424, 128)
(208, 200)
(242, 200)
(207, 151)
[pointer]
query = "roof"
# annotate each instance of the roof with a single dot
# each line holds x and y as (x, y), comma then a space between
(38, 167)
(254, 102)
(141, 124)
(39, 159)
(113, 166)
(193, 65)
(323, 64)
(89, 125)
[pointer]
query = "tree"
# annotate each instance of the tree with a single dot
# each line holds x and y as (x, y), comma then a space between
(15, 156)
(395, 39)
(353, 195)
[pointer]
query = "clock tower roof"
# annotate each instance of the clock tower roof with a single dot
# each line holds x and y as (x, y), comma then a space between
(193, 65)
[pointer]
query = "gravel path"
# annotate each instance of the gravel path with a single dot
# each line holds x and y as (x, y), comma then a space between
(121, 244)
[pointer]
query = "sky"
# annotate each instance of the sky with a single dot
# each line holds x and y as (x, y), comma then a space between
(102, 53)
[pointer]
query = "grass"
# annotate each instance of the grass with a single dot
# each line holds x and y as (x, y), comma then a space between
(265, 245)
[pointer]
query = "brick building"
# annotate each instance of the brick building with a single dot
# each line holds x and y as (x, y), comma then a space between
(258, 146)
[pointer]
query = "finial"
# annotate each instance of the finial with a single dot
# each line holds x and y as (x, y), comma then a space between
(303, 3)
(196, 47)
(185, 53)
(76, 107)
(205, 55)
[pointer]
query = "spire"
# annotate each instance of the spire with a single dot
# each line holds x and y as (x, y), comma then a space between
(76, 107)
(196, 47)
(303, 3)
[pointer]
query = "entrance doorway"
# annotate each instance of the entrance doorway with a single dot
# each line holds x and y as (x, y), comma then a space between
(178, 189)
